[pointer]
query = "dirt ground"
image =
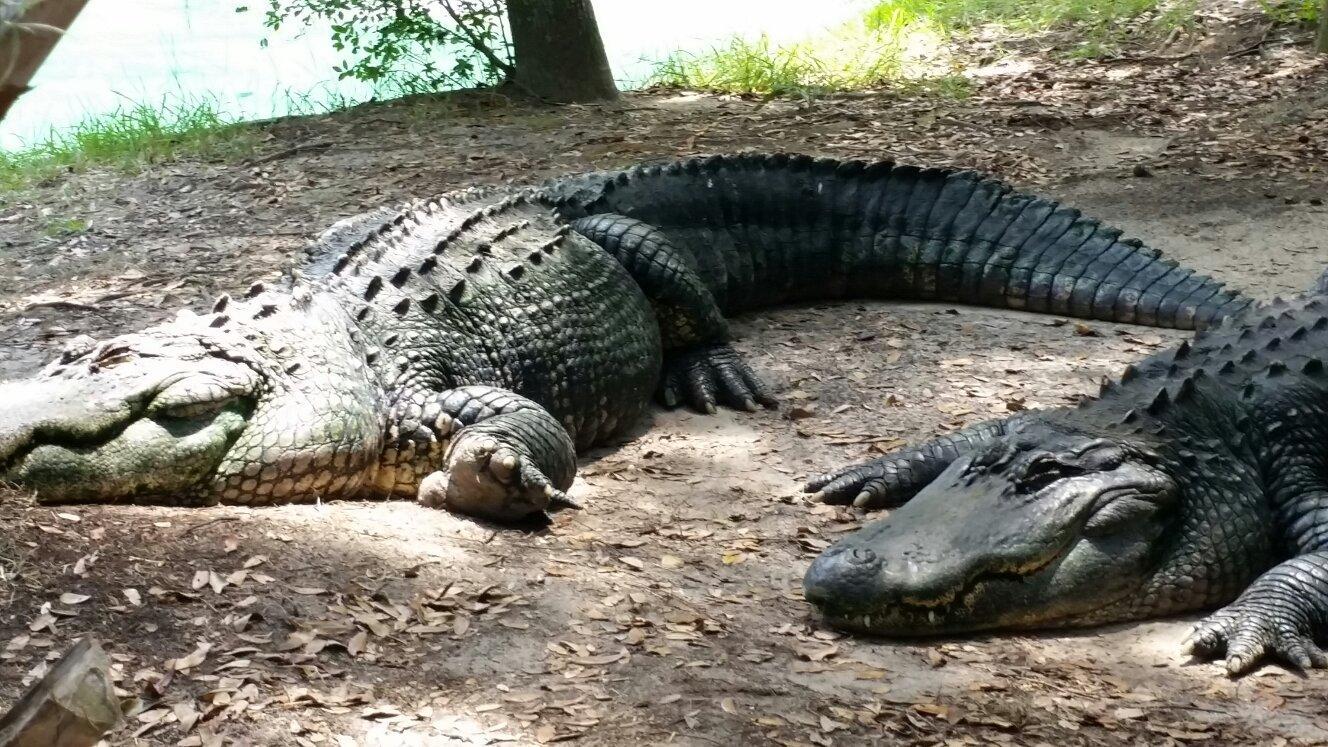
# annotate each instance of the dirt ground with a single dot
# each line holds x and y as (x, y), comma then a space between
(668, 611)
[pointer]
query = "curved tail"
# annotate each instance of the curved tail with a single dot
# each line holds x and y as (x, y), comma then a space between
(769, 229)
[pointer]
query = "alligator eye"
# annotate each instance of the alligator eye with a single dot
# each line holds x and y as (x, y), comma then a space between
(189, 410)
(190, 402)
(1118, 514)
(1043, 471)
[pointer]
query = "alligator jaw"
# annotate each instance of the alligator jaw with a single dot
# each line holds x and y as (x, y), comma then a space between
(955, 610)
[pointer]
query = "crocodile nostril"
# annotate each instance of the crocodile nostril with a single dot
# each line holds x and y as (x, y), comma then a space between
(862, 555)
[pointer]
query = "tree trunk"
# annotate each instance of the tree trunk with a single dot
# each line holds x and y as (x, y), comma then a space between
(558, 51)
(1322, 44)
(26, 37)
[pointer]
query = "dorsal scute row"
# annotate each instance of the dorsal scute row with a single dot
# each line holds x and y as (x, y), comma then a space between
(1267, 344)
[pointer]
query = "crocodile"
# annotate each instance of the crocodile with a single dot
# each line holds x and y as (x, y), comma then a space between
(1198, 478)
(460, 350)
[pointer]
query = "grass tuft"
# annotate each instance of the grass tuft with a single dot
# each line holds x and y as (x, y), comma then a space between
(1099, 26)
(881, 49)
(1026, 15)
(1292, 11)
(907, 44)
(129, 139)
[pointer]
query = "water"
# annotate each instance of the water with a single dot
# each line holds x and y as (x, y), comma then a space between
(121, 52)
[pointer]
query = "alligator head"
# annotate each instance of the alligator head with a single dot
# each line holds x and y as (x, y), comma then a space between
(263, 402)
(1054, 526)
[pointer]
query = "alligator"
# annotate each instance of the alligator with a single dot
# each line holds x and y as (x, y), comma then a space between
(461, 349)
(1198, 477)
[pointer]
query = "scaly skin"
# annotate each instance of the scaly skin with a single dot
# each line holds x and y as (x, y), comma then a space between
(459, 350)
(1174, 490)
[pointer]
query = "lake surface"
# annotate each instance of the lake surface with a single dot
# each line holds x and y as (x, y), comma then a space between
(123, 52)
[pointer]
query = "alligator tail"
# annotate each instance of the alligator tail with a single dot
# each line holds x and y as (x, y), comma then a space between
(767, 230)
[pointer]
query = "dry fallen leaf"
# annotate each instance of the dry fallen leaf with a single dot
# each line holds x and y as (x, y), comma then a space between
(357, 643)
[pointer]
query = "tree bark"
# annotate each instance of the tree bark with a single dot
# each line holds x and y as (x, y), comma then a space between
(72, 706)
(558, 52)
(28, 32)
(1322, 44)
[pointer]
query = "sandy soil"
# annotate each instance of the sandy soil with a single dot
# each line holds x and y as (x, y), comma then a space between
(670, 609)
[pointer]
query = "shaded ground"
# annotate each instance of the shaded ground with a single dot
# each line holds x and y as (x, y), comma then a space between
(670, 610)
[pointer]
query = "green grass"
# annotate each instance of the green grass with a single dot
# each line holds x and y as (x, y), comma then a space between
(889, 49)
(129, 138)
(1024, 15)
(1099, 27)
(907, 43)
(759, 66)
(138, 134)
(1292, 11)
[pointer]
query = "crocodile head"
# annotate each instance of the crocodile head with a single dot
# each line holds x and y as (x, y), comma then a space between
(263, 403)
(1051, 527)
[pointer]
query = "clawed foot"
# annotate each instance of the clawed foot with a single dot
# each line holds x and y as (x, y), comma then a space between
(1252, 628)
(705, 377)
(490, 479)
(869, 486)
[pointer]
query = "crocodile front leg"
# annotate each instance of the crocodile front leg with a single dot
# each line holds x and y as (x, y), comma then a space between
(1279, 615)
(505, 459)
(700, 367)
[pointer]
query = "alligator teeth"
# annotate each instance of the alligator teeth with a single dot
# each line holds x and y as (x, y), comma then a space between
(931, 616)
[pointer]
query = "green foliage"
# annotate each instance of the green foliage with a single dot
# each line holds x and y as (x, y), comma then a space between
(1024, 15)
(1292, 11)
(64, 227)
(129, 138)
(904, 44)
(1099, 26)
(421, 46)
(758, 66)
(889, 48)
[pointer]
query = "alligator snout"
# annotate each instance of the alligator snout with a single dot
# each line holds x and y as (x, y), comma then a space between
(20, 414)
(840, 575)
(851, 576)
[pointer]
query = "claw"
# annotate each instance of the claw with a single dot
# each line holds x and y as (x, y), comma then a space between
(862, 499)
(707, 376)
(559, 499)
